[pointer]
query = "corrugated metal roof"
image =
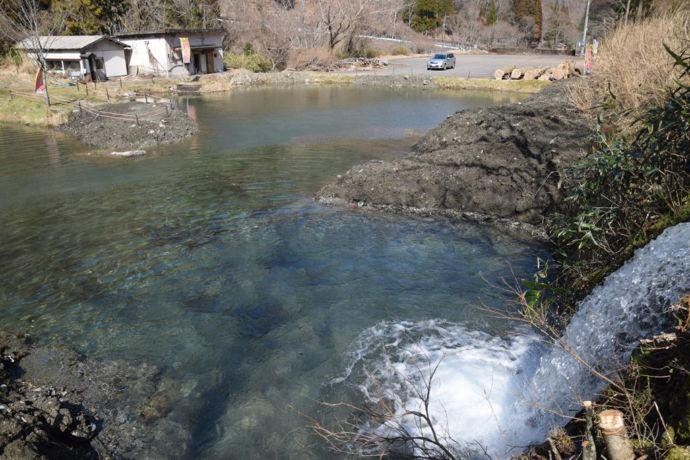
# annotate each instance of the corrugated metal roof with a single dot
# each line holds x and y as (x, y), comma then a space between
(64, 42)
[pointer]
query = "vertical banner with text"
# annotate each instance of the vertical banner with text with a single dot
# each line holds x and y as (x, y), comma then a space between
(186, 50)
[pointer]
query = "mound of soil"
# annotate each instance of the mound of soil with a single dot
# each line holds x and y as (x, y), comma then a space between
(55, 404)
(504, 162)
(156, 125)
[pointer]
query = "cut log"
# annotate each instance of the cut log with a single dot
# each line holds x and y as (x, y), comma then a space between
(567, 68)
(545, 77)
(613, 430)
(516, 74)
(533, 74)
(503, 73)
(559, 73)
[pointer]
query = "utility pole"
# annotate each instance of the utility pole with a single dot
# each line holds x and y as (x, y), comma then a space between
(584, 32)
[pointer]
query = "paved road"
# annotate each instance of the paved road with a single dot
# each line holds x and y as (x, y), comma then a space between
(476, 65)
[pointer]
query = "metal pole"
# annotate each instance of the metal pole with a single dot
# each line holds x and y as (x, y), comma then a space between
(584, 32)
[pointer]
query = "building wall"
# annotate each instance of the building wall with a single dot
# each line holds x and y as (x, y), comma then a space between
(150, 55)
(113, 56)
(161, 55)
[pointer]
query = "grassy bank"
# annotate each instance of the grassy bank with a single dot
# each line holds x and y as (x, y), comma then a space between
(633, 184)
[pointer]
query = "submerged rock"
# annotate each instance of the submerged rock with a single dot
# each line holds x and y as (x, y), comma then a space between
(501, 161)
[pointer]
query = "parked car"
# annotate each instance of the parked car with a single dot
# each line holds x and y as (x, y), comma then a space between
(441, 61)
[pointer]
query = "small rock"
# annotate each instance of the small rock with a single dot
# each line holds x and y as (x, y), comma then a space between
(129, 153)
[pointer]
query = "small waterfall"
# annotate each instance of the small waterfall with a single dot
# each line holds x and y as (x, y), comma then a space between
(499, 392)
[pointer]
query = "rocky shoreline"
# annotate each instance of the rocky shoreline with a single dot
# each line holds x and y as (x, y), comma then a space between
(502, 163)
(56, 404)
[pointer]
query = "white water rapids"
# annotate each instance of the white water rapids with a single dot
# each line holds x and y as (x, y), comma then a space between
(494, 395)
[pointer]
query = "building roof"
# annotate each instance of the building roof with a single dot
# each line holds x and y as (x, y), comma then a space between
(169, 32)
(65, 42)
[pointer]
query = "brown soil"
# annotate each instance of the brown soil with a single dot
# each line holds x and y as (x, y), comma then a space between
(104, 132)
(504, 162)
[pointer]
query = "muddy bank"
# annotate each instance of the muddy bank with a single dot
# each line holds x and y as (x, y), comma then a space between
(501, 162)
(130, 126)
(56, 404)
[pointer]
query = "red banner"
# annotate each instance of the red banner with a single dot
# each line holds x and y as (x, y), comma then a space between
(186, 50)
(589, 59)
(38, 82)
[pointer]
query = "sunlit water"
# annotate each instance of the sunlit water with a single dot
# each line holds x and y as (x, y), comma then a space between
(209, 258)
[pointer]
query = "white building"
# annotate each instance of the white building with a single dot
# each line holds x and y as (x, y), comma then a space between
(162, 52)
(90, 56)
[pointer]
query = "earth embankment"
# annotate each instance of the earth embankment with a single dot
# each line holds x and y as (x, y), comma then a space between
(129, 125)
(504, 162)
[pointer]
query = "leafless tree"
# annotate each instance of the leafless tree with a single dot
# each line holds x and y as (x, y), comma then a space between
(25, 20)
(423, 441)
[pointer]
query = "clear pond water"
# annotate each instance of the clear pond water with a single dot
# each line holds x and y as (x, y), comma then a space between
(210, 260)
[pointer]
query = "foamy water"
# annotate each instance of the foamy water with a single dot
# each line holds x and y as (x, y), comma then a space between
(495, 395)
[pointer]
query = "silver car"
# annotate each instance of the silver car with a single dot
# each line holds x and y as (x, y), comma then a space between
(441, 61)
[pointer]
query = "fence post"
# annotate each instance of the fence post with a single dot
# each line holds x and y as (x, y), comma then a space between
(86, 85)
(77, 85)
(107, 95)
(146, 98)
(167, 111)
(136, 117)
(120, 82)
(79, 106)
(11, 97)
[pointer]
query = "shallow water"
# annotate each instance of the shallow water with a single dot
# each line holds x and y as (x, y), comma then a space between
(209, 259)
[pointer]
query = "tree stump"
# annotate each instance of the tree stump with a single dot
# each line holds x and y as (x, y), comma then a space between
(503, 73)
(516, 74)
(613, 430)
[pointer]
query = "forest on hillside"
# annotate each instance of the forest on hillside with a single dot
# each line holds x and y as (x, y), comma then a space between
(283, 30)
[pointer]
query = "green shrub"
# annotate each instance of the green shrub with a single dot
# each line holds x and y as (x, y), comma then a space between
(256, 62)
(400, 51)
(627, 190)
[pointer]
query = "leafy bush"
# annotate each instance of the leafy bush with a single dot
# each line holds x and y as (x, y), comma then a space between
(628, 190)
(249, 59)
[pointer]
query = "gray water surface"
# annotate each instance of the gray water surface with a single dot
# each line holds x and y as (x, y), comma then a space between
(209, 259)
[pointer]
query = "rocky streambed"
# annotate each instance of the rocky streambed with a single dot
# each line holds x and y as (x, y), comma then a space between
(498, 163)
(56, 404)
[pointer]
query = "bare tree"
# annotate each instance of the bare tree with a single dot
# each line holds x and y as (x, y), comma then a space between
(425, 441)
(25, 20)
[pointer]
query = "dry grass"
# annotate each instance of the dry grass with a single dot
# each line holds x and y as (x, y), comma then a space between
(305, 58)
(633, 71)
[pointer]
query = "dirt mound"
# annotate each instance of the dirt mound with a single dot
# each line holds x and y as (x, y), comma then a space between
(502, 161)
(130, 126)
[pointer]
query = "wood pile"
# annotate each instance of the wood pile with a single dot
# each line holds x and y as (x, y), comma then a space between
(564, 70)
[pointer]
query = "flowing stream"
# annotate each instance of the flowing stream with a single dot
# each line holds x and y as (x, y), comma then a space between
(494, 394)
(210, 260)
